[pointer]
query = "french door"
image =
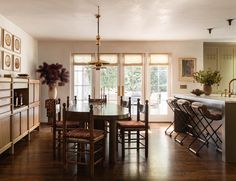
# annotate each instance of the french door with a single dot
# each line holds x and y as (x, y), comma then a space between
(139, 76)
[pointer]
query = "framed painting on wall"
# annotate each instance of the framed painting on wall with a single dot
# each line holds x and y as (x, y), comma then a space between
(16, 44)
(0, 37)
(6, 61)
(187, 66)
(7, 40)
(16, 63)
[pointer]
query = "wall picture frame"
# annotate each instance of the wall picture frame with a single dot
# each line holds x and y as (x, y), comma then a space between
(1, 37)
(16, 44)
(6, 61)
(16, 63)
(187, 66)
(7, 39)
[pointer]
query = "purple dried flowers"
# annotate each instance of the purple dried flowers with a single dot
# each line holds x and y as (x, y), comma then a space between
(53, 74)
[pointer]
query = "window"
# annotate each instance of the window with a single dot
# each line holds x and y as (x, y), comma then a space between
(82, 76)
(109, 76)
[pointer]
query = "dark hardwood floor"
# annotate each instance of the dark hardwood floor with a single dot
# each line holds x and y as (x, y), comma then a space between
(167, 161)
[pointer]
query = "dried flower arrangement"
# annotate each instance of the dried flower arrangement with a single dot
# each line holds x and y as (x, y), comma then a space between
(51, 74)
(207, 77)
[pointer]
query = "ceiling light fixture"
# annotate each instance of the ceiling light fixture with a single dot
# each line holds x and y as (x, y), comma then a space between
(230, 21)
(99, 64)
(210, 30)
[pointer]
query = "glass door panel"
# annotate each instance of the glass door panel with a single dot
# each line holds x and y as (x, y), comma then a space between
(108, 82)
(158, 90)
(82, 82)
(133, 84)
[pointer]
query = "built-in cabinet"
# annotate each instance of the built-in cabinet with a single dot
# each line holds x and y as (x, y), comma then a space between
(222, 57)
(19, 110)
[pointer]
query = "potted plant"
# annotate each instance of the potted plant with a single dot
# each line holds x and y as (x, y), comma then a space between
(207, 78)
(53, 75)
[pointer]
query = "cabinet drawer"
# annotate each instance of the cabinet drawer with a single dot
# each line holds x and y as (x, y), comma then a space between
(5, 101)
(5, 109)
(5, 93)
(20, 85)
(5, 85)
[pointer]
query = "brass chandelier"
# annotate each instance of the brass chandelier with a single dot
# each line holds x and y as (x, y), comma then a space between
(99, 64)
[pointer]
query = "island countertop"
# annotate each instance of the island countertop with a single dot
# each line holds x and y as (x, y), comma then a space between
(213, 97)
(227, 105)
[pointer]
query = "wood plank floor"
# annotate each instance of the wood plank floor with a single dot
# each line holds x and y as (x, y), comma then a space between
(167, 161)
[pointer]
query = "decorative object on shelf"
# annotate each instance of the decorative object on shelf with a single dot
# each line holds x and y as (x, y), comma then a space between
(207, 78)
(53, 75)
(8, 75)
(197, 92)
(207, 89)
(7, 40)
(187, 66)
(24, 76)
(16, 63)
(16, 44)
(99, 64)
(6, 61)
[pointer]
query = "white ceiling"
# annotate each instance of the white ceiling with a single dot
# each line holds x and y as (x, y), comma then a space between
(124, 19)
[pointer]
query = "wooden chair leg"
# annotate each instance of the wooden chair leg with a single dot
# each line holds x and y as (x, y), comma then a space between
(138, 140)
(91, 160)
(146, 144)
(59, 139)
(104, 150)
(117, 139)
(129, 136)
(64, 153)
(122, 143)
(54, 143)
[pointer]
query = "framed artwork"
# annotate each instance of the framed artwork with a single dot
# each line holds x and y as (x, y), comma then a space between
(7, 40)
(0, 37)
(187, 66)
(6, 61)
(16, 44)
(16, 63)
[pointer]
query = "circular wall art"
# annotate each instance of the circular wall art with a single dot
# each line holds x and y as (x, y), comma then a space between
(17, 44)
(16, 63)
(7, 40)
(7, 61)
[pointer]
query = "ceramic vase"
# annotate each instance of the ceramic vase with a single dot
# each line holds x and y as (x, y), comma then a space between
(52, 92)
(207, 89)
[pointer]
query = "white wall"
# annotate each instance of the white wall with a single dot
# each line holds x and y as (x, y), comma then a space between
(29, 49)
(60, 52)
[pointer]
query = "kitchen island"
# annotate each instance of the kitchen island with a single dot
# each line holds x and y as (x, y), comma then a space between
(228, 107)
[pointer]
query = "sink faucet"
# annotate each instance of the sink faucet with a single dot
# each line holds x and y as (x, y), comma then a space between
(230, 82)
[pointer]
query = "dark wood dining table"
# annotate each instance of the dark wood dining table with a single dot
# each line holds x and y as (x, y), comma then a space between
(107, 112)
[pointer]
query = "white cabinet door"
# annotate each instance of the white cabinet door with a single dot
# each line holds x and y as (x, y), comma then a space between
(226, 66)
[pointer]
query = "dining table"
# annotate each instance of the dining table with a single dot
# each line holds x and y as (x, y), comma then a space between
(110, 112)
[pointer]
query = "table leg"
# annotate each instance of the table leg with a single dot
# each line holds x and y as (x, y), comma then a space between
(112, 142)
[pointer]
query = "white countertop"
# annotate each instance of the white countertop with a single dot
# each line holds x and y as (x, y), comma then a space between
(212, 97)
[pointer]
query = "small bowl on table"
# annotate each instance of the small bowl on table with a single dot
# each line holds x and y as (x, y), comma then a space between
(197, 92)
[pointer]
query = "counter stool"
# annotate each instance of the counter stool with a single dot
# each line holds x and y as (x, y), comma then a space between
(171, 103)
(208, 116)
(191, 127)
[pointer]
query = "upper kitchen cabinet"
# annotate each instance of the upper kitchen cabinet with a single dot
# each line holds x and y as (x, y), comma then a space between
(222, 57)
(210, 58)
